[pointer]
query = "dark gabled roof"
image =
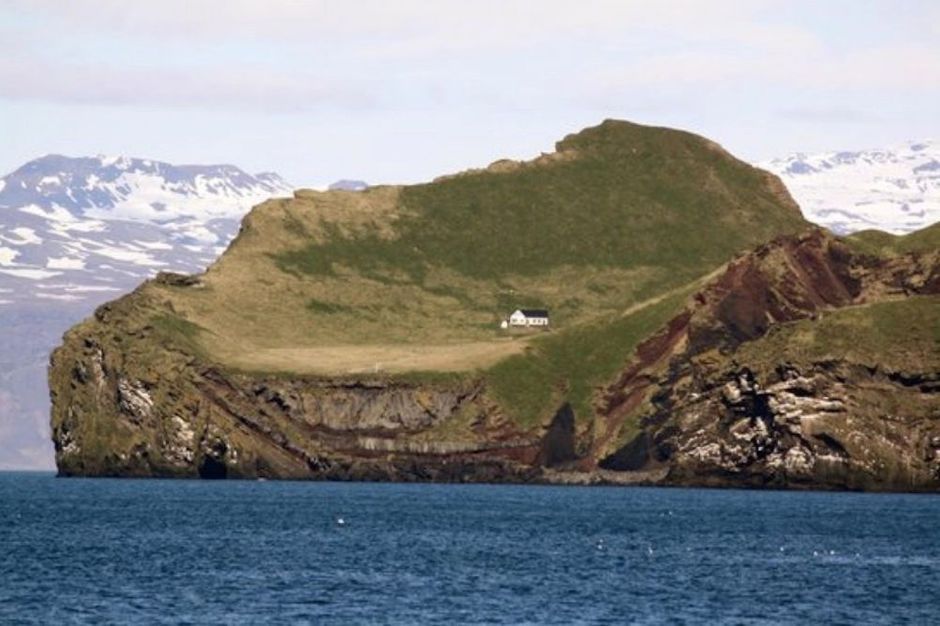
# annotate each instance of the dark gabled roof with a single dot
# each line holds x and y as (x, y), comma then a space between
(535, 312)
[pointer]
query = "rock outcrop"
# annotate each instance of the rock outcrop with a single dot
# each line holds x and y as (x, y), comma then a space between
(735, 399)
(812, 427)
(182, 418)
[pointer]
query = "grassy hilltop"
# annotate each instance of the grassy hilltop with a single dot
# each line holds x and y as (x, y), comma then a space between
(611, 232)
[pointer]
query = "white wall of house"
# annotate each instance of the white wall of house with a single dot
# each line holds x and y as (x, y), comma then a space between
(518, 319)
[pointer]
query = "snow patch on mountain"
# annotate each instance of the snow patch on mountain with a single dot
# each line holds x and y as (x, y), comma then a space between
(64, 263)
(896, 190)
(27, 273)
(7, 256)
(24, 236)
(124, 188)
(118, 219)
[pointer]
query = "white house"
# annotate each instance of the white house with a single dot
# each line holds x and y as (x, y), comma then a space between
(528, 317)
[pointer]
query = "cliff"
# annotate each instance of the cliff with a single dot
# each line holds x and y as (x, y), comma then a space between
(355, 336)
(804, 365)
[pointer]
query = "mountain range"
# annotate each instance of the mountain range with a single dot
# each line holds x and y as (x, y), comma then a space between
(70, 227)
(896, 190)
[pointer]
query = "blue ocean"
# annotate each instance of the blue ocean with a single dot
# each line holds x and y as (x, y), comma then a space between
(189, 552)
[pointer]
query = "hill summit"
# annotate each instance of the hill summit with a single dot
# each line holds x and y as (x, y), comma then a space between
(619, 213)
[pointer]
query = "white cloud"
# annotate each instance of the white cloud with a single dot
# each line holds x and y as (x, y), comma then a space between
(448, 84)
(293, 56)
(8, 256)
(830, 115)
(898, 66)
(905, 66)
(64, 263)
(28, 272)
(483, 22)
(233, 88)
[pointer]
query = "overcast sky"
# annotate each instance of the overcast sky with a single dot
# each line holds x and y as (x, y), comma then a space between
(403, 91)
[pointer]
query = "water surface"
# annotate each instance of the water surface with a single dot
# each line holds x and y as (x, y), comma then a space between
(155, 551)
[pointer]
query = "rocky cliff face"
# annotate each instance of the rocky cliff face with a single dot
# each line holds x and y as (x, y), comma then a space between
(747, 398)
(726, 393)
(115, 416)
(816, 425)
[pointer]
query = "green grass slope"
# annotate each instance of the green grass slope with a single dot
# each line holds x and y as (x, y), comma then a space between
(894, 335)
(610, 232)
(878, 242)
(621, 195)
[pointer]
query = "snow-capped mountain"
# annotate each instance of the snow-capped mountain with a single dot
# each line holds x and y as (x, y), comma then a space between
(895, 190)
(74, 226)
(135, 189)
(75, 232)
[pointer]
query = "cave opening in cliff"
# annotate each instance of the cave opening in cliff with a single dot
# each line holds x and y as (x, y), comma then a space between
(212, 468)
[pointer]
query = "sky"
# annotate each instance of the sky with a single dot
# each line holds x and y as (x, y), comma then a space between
(397, 92)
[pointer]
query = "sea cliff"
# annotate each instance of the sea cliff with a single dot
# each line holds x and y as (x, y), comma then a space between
(716, 340)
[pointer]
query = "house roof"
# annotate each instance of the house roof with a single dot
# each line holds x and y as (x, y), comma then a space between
(534, 312)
